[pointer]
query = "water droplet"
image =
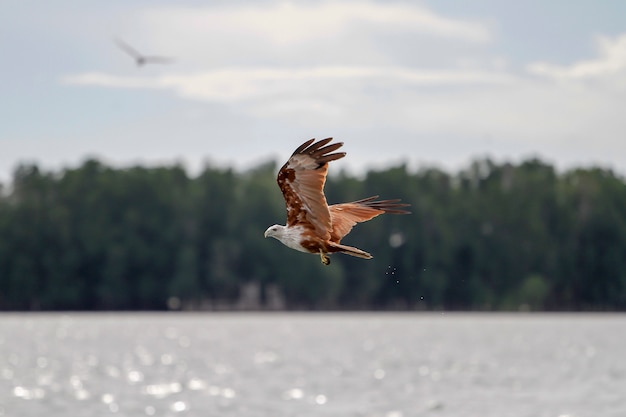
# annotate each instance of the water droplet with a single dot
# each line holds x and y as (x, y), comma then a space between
(184, 341)
(112, 371)
(379, 373)
(320, 399)
(196, 384)
(150, 410)
(228, 393)
(81, 394)
(178, 406)
(396, 239)
(294, 394)
(171, 333)
(173, 303)
(75, 382)
(135, 376)
(107, 398)
(434, 405)
(19, 391)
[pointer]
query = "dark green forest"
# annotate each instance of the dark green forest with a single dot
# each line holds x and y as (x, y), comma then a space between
(494, 236)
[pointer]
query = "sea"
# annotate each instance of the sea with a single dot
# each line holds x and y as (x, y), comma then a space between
(313, 364)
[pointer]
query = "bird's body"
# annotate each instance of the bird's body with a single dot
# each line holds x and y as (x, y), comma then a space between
(312, 225)
(139, 58)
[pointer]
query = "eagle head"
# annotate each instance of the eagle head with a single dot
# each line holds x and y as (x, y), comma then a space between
(274, 231)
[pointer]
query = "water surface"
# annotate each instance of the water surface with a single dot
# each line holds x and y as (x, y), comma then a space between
(286, 364)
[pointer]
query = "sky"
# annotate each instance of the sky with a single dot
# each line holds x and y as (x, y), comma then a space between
(426, 83)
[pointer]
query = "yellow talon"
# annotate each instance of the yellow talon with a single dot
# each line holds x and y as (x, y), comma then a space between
(325, 259)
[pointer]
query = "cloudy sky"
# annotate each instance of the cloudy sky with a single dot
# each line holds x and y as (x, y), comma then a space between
(422, 82)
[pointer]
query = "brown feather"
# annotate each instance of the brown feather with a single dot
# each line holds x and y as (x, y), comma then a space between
(344, 216)
(303, 146)
(315, 146)
(302, 180)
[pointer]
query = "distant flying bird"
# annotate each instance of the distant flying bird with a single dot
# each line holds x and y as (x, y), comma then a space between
(139, 58)
(312, 225)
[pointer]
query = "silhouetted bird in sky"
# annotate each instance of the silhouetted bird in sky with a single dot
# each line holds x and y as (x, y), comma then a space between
(139, 58)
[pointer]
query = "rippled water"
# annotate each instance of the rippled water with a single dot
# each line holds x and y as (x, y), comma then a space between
(387, 365)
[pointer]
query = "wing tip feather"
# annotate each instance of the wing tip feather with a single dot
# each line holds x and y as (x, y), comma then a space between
(392, 206)
(302, 147)
(320, 151)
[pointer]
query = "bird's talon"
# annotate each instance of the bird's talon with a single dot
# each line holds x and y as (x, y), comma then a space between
(325, 259)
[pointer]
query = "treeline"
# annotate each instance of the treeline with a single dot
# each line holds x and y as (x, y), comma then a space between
(491, 237)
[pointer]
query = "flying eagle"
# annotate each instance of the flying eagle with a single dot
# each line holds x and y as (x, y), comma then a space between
(312, 225)
(139, 58)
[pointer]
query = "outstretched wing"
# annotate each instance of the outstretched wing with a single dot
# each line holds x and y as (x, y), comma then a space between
(128, 49)
(151, 59)
(344, 216)
(302, 180)
(140, 58)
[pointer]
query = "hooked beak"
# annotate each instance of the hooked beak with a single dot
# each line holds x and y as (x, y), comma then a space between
(266, 232)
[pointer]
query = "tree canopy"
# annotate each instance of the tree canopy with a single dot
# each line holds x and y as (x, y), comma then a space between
(494, 236)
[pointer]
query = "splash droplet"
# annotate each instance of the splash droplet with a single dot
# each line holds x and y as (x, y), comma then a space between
(321, 399)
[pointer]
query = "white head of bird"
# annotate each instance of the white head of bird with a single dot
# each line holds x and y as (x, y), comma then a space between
(288, 236)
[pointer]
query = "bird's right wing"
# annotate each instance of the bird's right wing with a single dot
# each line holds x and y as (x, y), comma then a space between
(301, 181)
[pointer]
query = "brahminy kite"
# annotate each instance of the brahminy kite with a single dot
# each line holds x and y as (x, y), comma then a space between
(312, 225)
(139, 58)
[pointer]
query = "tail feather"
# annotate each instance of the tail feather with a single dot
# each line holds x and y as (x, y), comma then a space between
(349, 250)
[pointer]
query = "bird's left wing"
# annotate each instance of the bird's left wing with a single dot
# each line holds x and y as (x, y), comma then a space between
(127, 48)
(158, 59)
(344, 216)
(301, 181)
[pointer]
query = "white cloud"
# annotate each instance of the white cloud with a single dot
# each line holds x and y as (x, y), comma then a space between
(394, 78)
(334, 62)
(289, 22)
(611, 61)
(304, 33)
(333, 95)
(105, 80)
(235, 84)
(448, 102)
(335, 67)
